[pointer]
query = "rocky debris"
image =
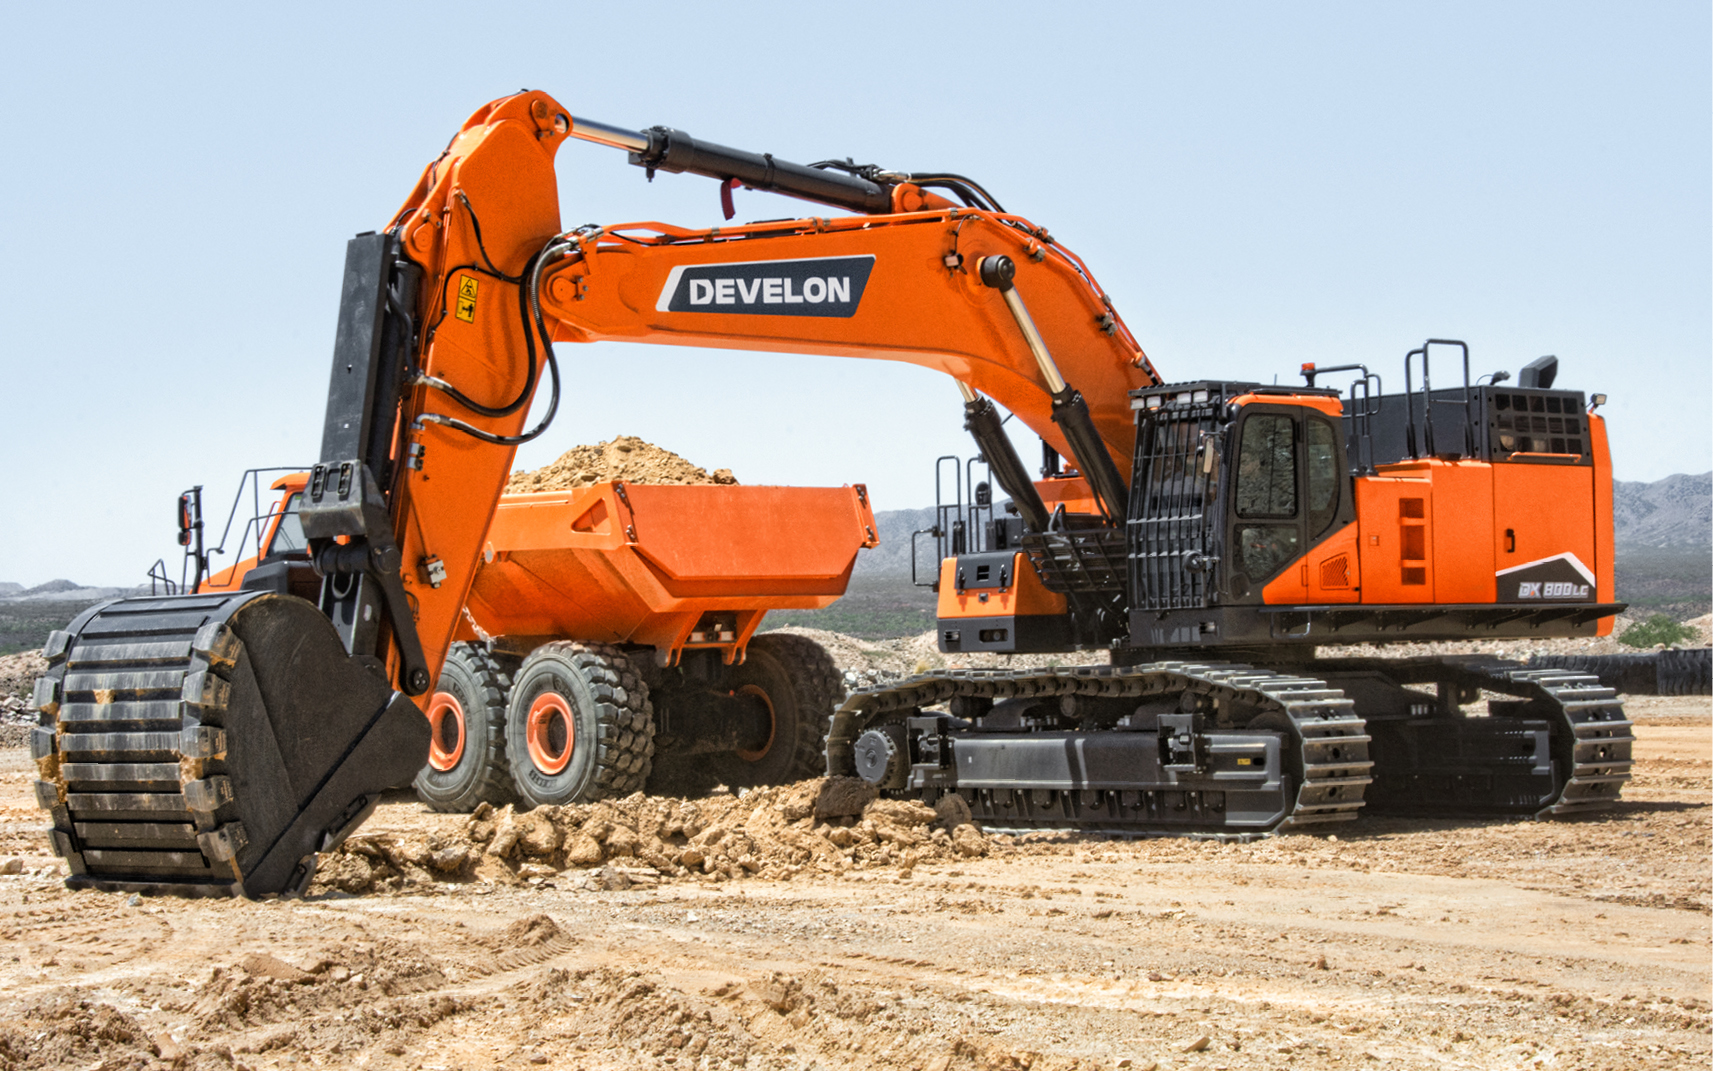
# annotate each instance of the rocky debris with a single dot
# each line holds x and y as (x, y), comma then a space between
(18, 674)
(872, 663)
(626, 458)
(858, 679)
(1520, 649)
(773, 1020)
(66, 1030)
(828, 824)
(262, 988)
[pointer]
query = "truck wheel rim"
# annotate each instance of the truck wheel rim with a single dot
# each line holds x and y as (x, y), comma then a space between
(446, 732)
(772, 723)
(551, 733)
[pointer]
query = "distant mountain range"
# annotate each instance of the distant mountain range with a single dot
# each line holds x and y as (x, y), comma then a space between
(1674, 512)
(63, 591)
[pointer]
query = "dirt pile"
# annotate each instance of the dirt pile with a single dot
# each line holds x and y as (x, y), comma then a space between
(868, 663)
(829, 824)
(770, 1021)
(626, 458)
(74, 1032)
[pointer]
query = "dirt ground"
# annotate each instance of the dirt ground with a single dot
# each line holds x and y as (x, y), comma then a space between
(1395, 944)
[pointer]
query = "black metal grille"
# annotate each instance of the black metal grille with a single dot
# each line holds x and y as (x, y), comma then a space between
(1078, 555)
(1172, 503)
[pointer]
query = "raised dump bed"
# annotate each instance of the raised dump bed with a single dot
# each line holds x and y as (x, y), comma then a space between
(668, 567)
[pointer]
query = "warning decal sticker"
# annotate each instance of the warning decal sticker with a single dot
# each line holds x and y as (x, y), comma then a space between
(465, 309)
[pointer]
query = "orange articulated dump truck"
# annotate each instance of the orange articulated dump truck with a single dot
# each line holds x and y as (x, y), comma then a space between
(612, 622)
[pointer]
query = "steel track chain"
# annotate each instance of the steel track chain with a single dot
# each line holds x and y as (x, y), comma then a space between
(1329, 739)
(1600, 736)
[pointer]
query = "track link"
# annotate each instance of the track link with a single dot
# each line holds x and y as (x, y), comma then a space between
(1176, 776)
(1558, 746)
(1591, 734)
(1557, 743)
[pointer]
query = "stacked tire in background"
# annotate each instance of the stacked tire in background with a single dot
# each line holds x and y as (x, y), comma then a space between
(1669, 672)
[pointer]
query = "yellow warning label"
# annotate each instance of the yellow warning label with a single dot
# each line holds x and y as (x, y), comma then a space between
(465, 308)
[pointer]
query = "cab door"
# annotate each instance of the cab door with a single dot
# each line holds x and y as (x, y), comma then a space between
(1267, 534)
(1291, 496)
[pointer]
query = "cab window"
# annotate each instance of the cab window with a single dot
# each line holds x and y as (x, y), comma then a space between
(1267, 490)
(1267, 468)
(288, 536)
(1323, 476)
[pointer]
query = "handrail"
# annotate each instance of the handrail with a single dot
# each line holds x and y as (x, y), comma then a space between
(1468, 400)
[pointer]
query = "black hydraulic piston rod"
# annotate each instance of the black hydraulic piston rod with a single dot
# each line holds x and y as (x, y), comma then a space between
(661, 148)
(981, 420)
(1070, 410)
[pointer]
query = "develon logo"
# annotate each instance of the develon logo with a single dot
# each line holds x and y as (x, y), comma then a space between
(817, 286)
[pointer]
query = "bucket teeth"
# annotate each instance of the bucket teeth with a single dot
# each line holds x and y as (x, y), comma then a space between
(208, 795)
(225, 843)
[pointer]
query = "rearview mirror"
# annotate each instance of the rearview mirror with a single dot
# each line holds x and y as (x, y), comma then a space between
(185, 524)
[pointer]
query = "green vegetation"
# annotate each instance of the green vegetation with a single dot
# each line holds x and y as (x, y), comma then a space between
(1656, 630)
(1674, 581)
(24, 626)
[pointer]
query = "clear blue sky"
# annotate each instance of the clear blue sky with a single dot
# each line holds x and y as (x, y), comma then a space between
(1257, 184)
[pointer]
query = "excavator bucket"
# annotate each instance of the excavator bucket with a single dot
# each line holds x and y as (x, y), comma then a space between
(212, 744)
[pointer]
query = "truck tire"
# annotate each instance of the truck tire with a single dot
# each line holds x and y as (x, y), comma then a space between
(579, 726)
(801, 686)
(467, 751)
(1628, 674)
(1685, 672)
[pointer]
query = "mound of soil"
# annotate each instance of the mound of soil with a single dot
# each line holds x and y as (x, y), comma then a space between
(626, 458)
(830, 824)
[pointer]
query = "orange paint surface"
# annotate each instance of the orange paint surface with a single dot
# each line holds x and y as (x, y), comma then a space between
(645, 567)
(1331, 572)
(1393, 516)
(1026, 595)
(1544, 510)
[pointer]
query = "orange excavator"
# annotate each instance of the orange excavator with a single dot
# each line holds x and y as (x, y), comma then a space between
(1210, 537)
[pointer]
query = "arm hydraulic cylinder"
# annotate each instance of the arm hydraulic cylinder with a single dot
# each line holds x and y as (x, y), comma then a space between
(1070, 410)
(661, 148)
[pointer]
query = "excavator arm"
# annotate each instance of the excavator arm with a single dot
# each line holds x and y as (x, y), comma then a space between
(214, 743)
(903, 281)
